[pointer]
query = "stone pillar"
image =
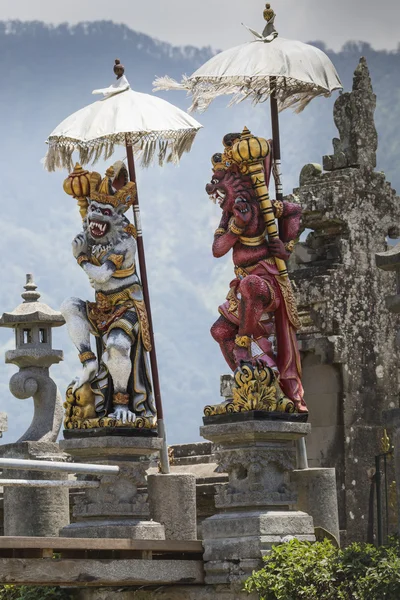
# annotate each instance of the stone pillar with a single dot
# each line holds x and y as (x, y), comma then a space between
(258, 500)
(119, 507)
(34, 512)
(391, 419)
(316, 489)
(173, 504)
(348, 339)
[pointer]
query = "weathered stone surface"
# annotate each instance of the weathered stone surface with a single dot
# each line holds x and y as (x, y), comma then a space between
(172, 500)
(105, 448)
(236, 542)
(317, 496)
(198, 459)
(258, 456)
(48, 405)
(390, 261)
(119, 506)
(241, 433)
(310, 171)
(33, 322)
(270, 525)
(354, 117)
(3, 423)
(29, 511)
(226, 388)
(391, 418)
(348, 339)
(115, 529)
(92, 572)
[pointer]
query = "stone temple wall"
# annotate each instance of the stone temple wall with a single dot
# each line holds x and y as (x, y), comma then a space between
(348, 338)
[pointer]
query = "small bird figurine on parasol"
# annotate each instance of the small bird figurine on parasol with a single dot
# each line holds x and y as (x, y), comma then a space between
(115, 388)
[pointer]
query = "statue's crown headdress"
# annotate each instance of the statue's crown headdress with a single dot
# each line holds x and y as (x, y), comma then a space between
(224, 161)
(114, 189)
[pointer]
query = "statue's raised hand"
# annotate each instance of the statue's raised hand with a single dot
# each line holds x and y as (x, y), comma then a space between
(79, 245)
(242, 212)
(277, 248)
(122, 413)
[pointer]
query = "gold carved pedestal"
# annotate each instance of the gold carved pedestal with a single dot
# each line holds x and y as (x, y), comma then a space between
(255, 388)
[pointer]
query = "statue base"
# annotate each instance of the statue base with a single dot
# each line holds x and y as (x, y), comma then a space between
(257, 504)
(70, 434)
(255, 388)
(256, 415)
(119, 507)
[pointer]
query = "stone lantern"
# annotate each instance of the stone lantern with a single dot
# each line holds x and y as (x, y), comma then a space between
(35, 511)
(33, 322)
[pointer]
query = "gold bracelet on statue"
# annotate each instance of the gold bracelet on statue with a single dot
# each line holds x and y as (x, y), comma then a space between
(243, 341)
(131, 230)
(278, 208)
(220, 231)
(233, 228)
(86, 356)
(117, 260)
(82, 259)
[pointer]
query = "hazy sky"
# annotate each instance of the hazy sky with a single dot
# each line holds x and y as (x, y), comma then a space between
(218, 22)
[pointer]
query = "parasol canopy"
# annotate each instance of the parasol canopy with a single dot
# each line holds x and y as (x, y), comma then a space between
(151, 125)
(300, 72)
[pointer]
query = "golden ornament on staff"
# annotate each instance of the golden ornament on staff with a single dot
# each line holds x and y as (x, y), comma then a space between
(77, 185)
(249, 153)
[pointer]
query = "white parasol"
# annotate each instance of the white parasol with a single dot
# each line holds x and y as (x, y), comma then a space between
(289, 72)
(300, 72)
(152, 126)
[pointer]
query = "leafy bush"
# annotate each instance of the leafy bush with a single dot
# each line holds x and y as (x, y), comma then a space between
(12, 592)
(305, 571)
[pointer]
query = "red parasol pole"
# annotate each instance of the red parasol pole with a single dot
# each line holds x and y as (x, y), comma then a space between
(276, 141)
(164, 459)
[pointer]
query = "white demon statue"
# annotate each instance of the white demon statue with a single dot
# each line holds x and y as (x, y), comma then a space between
(114, 387)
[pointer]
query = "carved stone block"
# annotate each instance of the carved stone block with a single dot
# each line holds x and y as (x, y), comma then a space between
(119, 506)
(258, 456)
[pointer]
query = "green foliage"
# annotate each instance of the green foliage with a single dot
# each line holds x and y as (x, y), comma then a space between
(12, 592)
(305, 571)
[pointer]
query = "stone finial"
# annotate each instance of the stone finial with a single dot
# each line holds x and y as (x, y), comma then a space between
(31, 310)
(354, 118)
(30, 295)
(362, 79)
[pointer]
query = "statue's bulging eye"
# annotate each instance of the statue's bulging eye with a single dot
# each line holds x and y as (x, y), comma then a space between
(214, 181)
(106, 212)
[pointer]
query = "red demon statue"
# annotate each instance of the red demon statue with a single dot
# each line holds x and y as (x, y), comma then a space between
(258, 322)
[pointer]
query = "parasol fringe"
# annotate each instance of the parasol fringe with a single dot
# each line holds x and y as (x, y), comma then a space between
(166, 83)
(166, 146)
(291, 93)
